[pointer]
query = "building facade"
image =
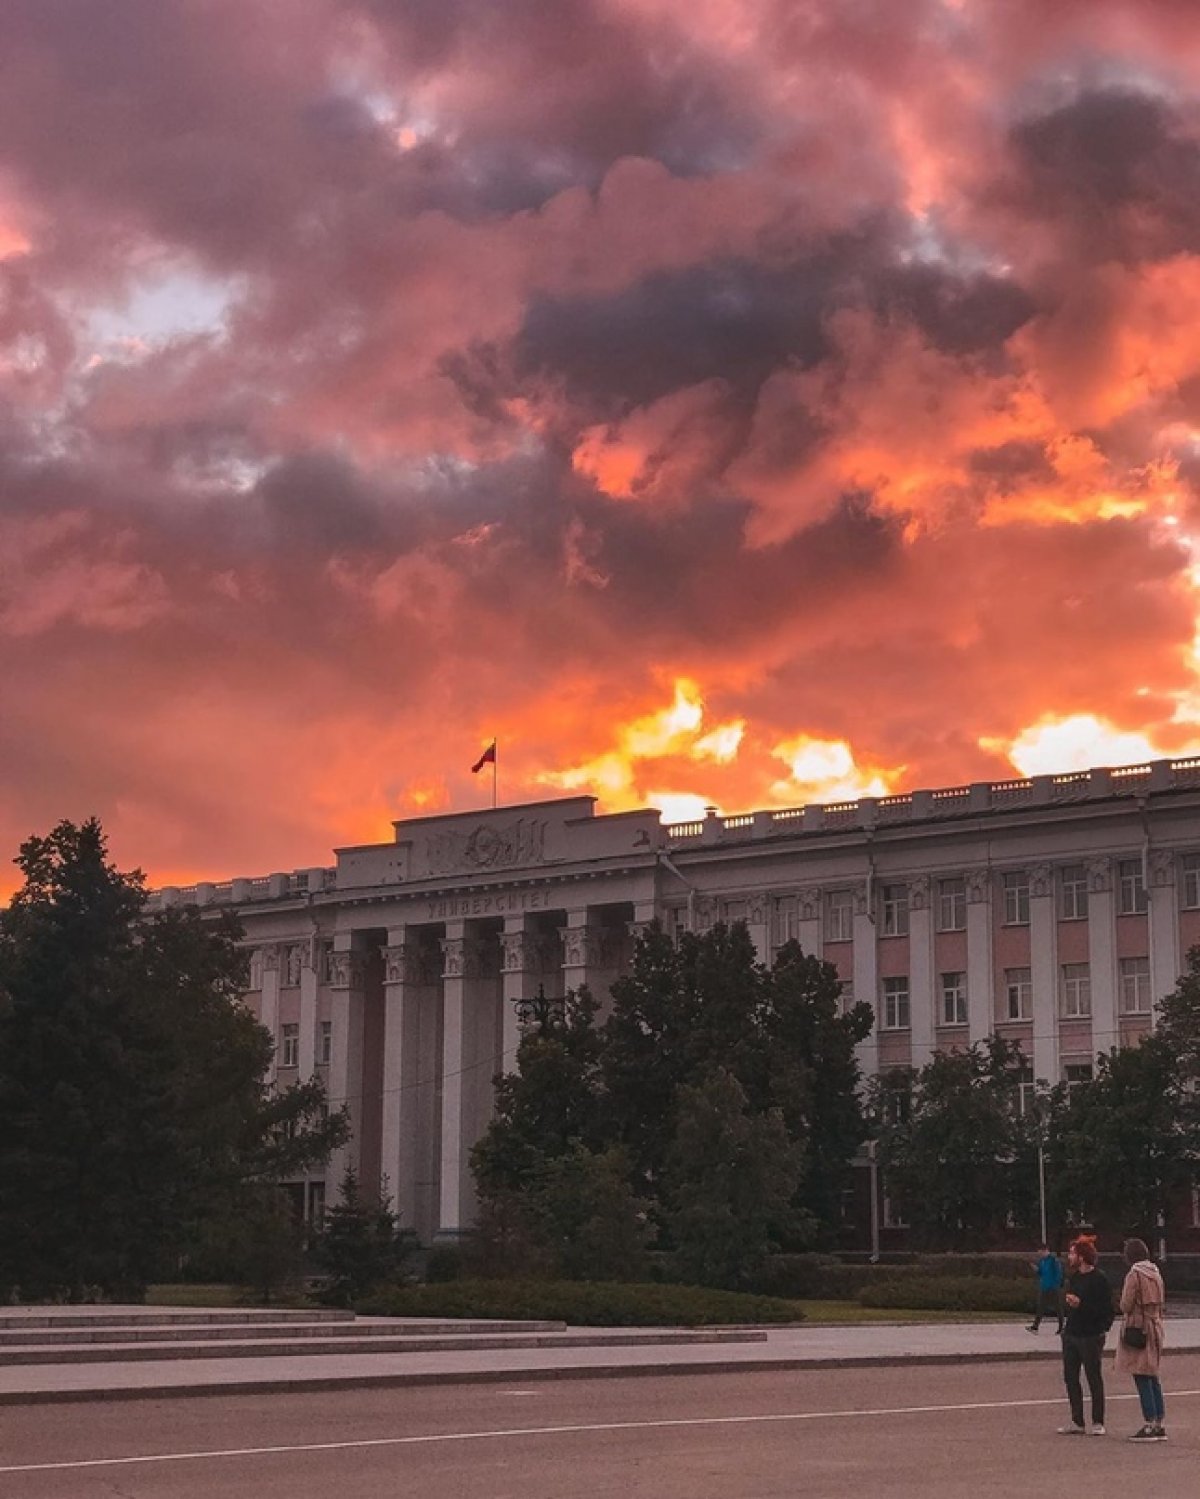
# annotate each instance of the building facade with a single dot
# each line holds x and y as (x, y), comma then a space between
(1053, 911)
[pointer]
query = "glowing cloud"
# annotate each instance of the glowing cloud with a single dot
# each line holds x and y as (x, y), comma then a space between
(1079, 742)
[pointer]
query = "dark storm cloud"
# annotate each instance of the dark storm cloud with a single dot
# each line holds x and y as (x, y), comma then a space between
(1121, 167)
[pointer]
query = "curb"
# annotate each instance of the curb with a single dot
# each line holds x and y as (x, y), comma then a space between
(325, 1383)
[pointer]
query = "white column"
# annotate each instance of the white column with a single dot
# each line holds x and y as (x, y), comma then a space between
(1043, 965)
(866, 979)
(591, 955)
(268, 1014)
(309, 980)
(1102, 955)
(524, 951)
(346, 1070)
(922, 980)
(409, 1093)
(1166, 962)
(981, 1009)
(470, 1057)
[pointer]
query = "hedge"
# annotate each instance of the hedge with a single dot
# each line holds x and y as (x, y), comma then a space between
(579, 1303)
(943, 1293)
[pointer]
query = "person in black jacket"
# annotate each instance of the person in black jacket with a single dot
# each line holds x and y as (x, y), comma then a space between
(1089, 1316)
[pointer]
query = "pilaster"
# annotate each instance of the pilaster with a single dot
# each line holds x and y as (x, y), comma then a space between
(980, 1010)
(922, 978)
(347, 974)
(1043, 960)
(471, 1050)
(1102, 955)
(268, 1013)
(866, 979)
(1165, 960)
(411, 1058)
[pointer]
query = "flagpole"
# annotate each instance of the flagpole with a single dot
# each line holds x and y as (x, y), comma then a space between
(495, 769)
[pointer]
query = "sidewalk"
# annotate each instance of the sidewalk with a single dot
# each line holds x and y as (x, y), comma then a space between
(807, 1347)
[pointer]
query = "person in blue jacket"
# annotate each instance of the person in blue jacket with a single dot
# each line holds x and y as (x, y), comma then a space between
(1049, 1288)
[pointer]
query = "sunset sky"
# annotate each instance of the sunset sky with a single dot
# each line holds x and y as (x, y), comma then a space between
(745, 402)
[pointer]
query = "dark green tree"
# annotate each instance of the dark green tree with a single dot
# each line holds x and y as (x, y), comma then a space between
(1124, 1146)
(814, 1076)
(953, 1147)
(361, 1245)
(133, 1108)
(730, 1183)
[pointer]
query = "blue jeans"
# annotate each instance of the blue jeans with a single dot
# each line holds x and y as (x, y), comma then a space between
(1150, 1393)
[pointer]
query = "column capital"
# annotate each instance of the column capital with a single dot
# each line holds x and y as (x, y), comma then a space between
(464, 958)
(1099, 875)
(409, 962)
(346, 969)
(918, 893)
(978, 884)
(590, 946)
(808, 902)
(523, 951)
(1041, 880)
(270, 957)
(1162, 868)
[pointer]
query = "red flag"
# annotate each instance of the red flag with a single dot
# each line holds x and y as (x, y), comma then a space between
(487, 758)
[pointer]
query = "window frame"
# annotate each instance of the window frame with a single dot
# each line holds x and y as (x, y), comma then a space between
(1076, 979)
(1129, 884)
(894, 1002)
(893, 909)
(289, 1044)
(1022, 986)
(1073, 892)
(1123, 975)
(959, 993)
(324, 1043)
(1189, 884)
(841, 903)
(1015, 884)
(956, 900)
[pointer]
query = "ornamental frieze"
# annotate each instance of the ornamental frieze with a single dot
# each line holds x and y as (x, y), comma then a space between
(488, 846)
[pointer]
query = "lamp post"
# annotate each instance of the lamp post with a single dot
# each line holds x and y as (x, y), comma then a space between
(539, 1010)
(873, 1167)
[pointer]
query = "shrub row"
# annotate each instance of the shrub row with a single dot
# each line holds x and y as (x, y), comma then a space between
(816, 1277)
(968, 1293)
(580, 1303)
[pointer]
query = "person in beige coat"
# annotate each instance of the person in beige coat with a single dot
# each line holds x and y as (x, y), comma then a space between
(1142, 1300)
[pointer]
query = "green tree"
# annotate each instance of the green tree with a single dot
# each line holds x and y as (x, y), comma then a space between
(729, 1184)
(1122, 1147)
(133, 1107)
(361, 1245)
(953, 1146)
(814, 1076)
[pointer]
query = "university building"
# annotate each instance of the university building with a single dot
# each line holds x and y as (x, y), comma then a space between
(1052, 910)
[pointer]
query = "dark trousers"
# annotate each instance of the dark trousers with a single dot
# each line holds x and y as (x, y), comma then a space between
(1085, 1354)
(1049, 1304)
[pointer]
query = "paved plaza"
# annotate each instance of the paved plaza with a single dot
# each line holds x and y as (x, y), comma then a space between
(979, 1428)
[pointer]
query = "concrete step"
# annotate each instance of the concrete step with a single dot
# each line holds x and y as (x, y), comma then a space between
(119, 1353)
(192, 1332)
(13, 1317)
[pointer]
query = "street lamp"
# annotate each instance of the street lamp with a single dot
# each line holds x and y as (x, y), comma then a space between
(873, 1168)
(538, 1010)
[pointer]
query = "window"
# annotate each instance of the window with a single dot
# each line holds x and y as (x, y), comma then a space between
(1191, 881)
(896, 1095)
(1018, 994)
(1196, 1207)
(1131, 888)
(1072, 892)
(1026, 1091)
(895, 910)
(954, 999)
(895, 1004)
(1076, 1074)
(952, 905)
(289, 1052)
(839, 916)
(326, 962)
(893, 1213)
(1076, 991)
(325, 1042)
(1016, 898)
(316, 1203)
(847, 995)
(787, 921)
(1135, 986)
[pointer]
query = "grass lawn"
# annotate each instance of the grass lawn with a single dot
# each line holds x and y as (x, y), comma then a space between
(850, 1314)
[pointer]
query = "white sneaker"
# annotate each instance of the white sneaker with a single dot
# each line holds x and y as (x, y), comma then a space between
(1099, 1431)
(1071, 1431)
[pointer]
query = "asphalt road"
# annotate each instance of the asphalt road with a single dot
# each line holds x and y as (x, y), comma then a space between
(974, 1430)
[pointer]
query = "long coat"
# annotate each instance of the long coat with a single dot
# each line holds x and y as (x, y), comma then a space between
(1142, 1300)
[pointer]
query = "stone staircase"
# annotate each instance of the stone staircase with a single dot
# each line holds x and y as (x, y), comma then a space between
(118, 1335)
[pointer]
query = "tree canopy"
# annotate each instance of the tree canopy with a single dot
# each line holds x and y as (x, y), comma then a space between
(134, 1110)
